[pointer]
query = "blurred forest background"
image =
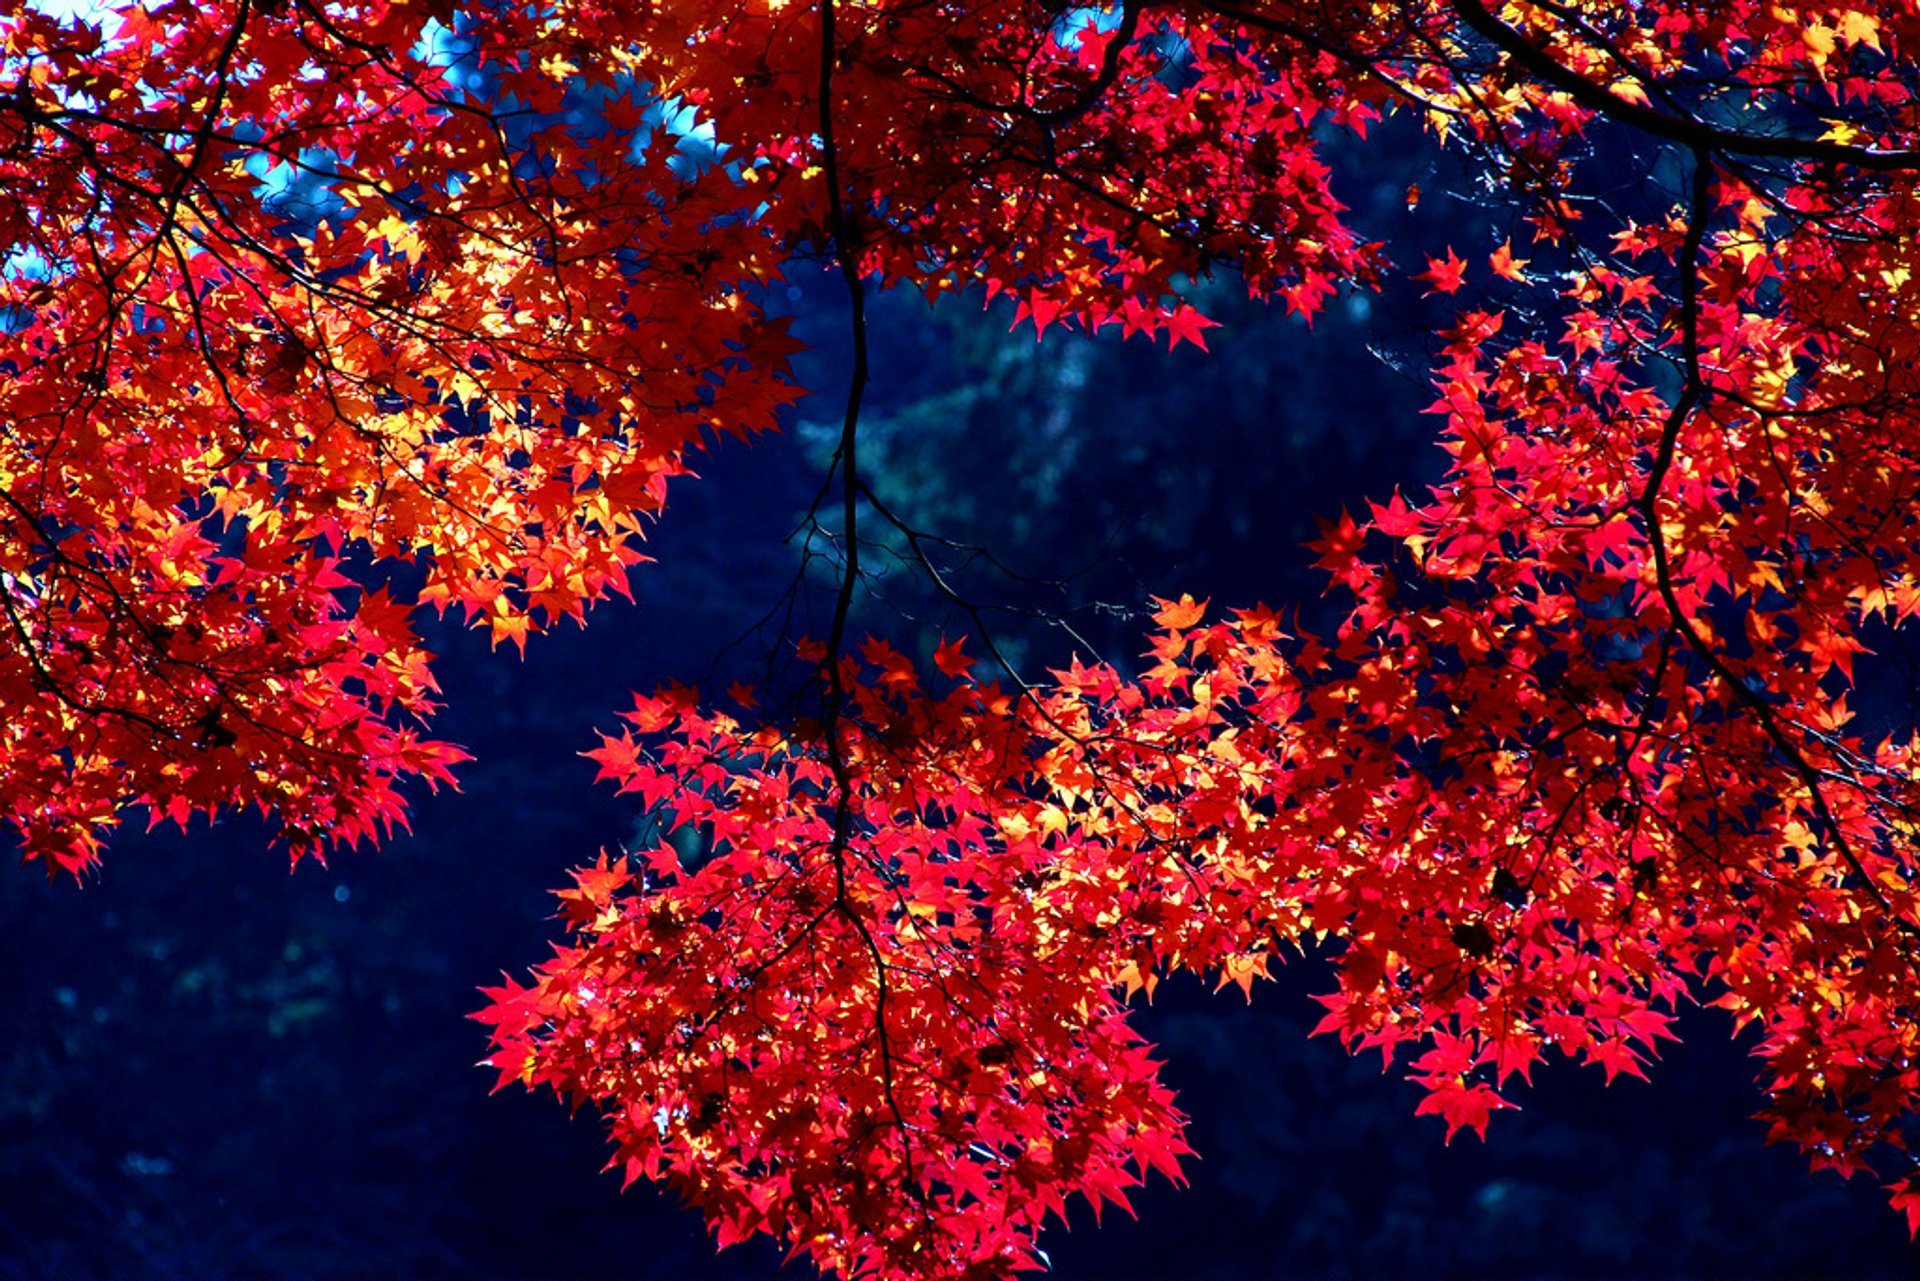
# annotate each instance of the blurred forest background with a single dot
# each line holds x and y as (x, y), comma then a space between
(215, 1070)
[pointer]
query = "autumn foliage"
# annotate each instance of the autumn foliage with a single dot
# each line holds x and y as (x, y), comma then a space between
(316, 315)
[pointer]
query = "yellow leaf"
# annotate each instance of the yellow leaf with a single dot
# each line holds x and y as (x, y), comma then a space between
(1631, 91)
(1818, 38)
(1860, 28)
(1179, 615)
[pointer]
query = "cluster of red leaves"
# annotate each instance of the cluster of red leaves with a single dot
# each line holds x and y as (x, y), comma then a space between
(879, 1025)
(285, 282)
(1596, 687)
(468, 359)
(1581, 752)
(898, 1051)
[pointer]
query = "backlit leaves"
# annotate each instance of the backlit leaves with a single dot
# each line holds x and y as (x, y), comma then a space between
(1583, 749)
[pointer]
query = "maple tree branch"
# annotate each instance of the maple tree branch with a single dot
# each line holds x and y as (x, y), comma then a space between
(846, 249)
(1693, 390)
(845, 458)
(1697, 135)
(1367, 65)
(853, 486)
(1031, 694)
(1599, 39)
(946, 589)
(1118, 42)
(222, 77)
(1117, 45)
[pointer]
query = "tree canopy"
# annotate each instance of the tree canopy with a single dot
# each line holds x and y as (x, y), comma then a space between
(318, 315)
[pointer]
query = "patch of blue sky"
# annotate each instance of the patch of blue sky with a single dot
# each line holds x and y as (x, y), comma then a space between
(696, 149)
(85, 10)
(23, 262)
(1077, 23)
(302, 191)
(455, 50)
